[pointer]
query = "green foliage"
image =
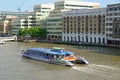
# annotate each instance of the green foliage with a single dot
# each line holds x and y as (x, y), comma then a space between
(34, 32)
(20, 32)
(43, 33)
(23, 32)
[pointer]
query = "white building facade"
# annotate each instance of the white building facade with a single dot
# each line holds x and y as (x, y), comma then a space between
(44, 8)
(25, 22)
(36, 19)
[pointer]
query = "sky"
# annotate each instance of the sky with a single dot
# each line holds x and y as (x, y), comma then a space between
(13, 5)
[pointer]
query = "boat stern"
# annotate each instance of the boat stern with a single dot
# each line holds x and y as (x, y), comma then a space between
(81, 60)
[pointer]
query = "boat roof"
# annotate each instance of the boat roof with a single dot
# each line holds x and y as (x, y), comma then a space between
(54, 51)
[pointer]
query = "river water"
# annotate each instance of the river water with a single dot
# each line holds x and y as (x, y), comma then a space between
(104, 63)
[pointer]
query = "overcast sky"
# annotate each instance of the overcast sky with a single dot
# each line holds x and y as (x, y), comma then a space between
(13, 5)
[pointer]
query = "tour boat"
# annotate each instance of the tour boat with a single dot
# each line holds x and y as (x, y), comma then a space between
(55, 55)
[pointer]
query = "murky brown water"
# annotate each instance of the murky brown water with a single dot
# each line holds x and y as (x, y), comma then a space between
(104, 64)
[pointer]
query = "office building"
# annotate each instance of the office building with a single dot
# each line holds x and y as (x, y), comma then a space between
(84, 26)
(113, 24)
(54, 21)
(25, 22)
(10, 13)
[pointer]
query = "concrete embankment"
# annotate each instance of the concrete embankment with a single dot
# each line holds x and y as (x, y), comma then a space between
(79, 43)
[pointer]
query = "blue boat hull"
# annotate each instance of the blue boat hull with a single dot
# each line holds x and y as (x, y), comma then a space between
(52, 61)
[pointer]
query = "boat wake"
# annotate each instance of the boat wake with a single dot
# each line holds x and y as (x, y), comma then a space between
(97, 70)
(104, 66)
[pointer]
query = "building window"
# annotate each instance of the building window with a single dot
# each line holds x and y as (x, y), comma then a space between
(110, 29)
(110, 9)
(95, 25)
(110, 35)
(83, 29)
(82, 24)
(82, 39)
(110, 14)
(115, 9)
(110, 24)
(86, 38)
(90, 39)
(94, 29)
(95, 39)
(59, 36)
(115, 14)
(91, 25)
(107, 19)
(90, 28)
(99, 40)
(71, 39)
(75, 39)
(79, 38)
(106, 24)
(107, 35)
(67, 38)
(110, 19)
(103, 41)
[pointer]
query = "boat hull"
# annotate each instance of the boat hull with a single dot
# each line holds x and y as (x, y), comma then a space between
(81, 61)
(52, 61)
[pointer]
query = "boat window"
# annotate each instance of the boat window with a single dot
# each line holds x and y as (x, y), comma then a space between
(67, 54)
(57, 56)
(36, 52)
(42, 54)
(27, 53)
(47, 54)
(52, 56)
(56, 50)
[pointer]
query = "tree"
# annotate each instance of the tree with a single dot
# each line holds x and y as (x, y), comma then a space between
(34, 32)
(23, 32)
(43, 33)
(20, 32)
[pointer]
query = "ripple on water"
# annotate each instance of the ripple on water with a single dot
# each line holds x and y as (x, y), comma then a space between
(103, 71)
